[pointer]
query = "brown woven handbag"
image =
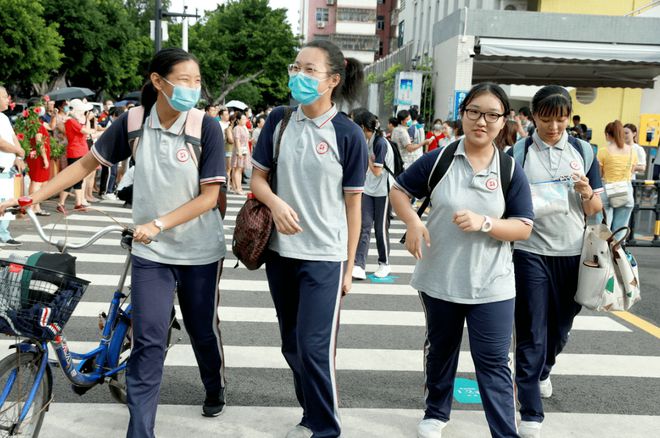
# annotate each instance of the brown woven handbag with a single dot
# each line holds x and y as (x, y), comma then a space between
(254, 222)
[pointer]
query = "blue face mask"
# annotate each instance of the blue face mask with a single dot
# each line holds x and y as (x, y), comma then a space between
(409, 123)
(305, 88)
(183, 98)
(66, 109)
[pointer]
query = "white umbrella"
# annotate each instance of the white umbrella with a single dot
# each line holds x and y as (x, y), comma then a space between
(236, 104)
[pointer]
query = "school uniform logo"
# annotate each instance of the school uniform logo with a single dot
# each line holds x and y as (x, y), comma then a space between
(322, 148)
(575, 165)
(182, 155)
(491, 184)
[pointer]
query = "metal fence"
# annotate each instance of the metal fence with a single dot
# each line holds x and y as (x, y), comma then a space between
(645, 218)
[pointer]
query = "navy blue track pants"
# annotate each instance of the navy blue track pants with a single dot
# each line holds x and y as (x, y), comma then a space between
(375, 212)
(152, 296)
(490, 326)
(545, 309)
(307, 298)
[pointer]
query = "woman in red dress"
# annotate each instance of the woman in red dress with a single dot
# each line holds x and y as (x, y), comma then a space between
(38, 161)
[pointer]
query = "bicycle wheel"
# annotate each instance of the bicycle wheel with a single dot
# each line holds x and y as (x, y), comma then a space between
(27, 368)
(117, 384)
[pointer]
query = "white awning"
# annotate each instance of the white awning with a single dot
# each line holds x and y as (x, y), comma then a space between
(539, 62)
(569, 50)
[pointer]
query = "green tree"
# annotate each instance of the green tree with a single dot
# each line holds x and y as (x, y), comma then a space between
(29, 45)
(103, 45)
(237, 44)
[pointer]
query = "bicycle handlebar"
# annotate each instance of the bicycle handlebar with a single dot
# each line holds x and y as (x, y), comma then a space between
(64, 244)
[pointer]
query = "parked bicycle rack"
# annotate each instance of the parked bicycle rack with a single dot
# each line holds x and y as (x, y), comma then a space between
(647, 198)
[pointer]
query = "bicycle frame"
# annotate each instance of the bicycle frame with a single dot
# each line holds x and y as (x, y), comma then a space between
(109, 349)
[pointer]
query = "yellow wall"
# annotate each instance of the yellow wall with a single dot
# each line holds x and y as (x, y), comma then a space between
(594, 7)
(611, 103)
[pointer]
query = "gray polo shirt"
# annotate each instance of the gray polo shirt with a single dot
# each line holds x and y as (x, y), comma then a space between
(460, 267)
(558, 234)
(380, 155)
(320, 160)
(166, 178)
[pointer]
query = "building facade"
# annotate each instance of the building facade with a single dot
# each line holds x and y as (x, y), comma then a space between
(351, 24)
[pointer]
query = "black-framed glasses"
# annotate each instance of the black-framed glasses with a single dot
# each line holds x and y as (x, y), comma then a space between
(489, 117)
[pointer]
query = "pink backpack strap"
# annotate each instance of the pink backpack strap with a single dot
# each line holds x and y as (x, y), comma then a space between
(135, 122)
(193, 134)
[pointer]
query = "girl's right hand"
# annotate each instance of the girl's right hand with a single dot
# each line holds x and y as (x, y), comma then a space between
(414, 235)
(285, 218)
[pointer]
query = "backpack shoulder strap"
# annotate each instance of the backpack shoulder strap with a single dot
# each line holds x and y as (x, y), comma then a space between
(440, 168)
(507, 167)
(442, 164)
(285, 121)
(193, 133)
(520, 150)
(585, 150)
(134, 127)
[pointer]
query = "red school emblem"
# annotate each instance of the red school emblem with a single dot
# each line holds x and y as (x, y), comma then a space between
(491, 184)
(322, 148)
(575, 165)
(182, 155)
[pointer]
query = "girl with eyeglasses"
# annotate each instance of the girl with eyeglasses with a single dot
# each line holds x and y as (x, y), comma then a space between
(316, 206)
(464, 270)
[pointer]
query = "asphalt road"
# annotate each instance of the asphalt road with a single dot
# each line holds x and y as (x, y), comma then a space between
(611, 369)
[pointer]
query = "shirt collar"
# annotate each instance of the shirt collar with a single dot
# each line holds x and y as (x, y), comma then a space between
(492, 167)
(319, 121)
(543, 145)
(177, 126)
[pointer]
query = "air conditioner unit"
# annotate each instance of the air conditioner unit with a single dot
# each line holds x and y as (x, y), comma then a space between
(514, 5)
(321, 24)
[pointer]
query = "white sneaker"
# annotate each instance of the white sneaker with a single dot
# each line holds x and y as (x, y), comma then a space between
(529, 429)
(546, 388)
(430, 428)
(299, 431)
(382, 271)
(358, 273)
(109, 197)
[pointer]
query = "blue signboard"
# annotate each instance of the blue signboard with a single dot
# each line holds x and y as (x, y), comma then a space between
(459, 96)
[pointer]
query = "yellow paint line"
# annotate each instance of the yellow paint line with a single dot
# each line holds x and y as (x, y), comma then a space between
(639, 323)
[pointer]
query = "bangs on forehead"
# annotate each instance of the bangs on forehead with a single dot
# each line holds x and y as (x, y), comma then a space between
(555, 105)
(481, 93)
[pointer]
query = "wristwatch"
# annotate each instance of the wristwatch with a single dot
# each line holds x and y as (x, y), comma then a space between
(159, 224)
(487, 225)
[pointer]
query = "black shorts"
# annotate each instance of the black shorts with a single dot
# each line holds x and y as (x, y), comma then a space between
(78, 185)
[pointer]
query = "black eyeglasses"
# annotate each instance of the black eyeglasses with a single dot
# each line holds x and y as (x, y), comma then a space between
(489, 117)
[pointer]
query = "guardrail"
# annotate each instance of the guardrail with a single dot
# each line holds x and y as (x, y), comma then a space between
(646, 194)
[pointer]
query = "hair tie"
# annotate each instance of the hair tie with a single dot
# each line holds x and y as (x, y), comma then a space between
(345, 63)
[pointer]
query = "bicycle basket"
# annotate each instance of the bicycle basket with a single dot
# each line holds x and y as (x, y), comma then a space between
(33, 307)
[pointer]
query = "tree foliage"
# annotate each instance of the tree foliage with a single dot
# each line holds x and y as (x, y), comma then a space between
(103, 46)
(29, 45)
(244, 48)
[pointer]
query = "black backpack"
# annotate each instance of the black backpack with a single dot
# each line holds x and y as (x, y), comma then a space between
(397, 159)
(442, 165)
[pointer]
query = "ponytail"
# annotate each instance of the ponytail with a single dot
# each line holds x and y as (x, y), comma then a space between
(615, 130)
(350, 70)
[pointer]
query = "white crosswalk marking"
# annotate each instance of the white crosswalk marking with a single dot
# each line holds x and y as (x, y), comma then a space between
(379, 357)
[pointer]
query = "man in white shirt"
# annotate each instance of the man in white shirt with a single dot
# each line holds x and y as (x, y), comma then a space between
(11, 154)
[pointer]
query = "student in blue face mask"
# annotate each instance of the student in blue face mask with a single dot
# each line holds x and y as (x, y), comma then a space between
(316, 206)
(173, 201)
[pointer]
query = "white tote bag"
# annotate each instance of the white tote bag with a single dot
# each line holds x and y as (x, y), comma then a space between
(608, 278)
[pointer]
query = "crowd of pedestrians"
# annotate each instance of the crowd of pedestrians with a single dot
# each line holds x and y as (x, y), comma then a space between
(489, 254)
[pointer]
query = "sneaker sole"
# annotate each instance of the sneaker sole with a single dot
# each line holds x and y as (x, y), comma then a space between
(204, 414)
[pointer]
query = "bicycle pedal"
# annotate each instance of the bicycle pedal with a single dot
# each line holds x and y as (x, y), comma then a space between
(115, 384)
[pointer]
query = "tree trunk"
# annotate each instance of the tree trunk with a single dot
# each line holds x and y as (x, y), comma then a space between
(240, 81)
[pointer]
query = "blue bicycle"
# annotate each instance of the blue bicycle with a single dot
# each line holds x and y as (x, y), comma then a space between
(35, 304)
